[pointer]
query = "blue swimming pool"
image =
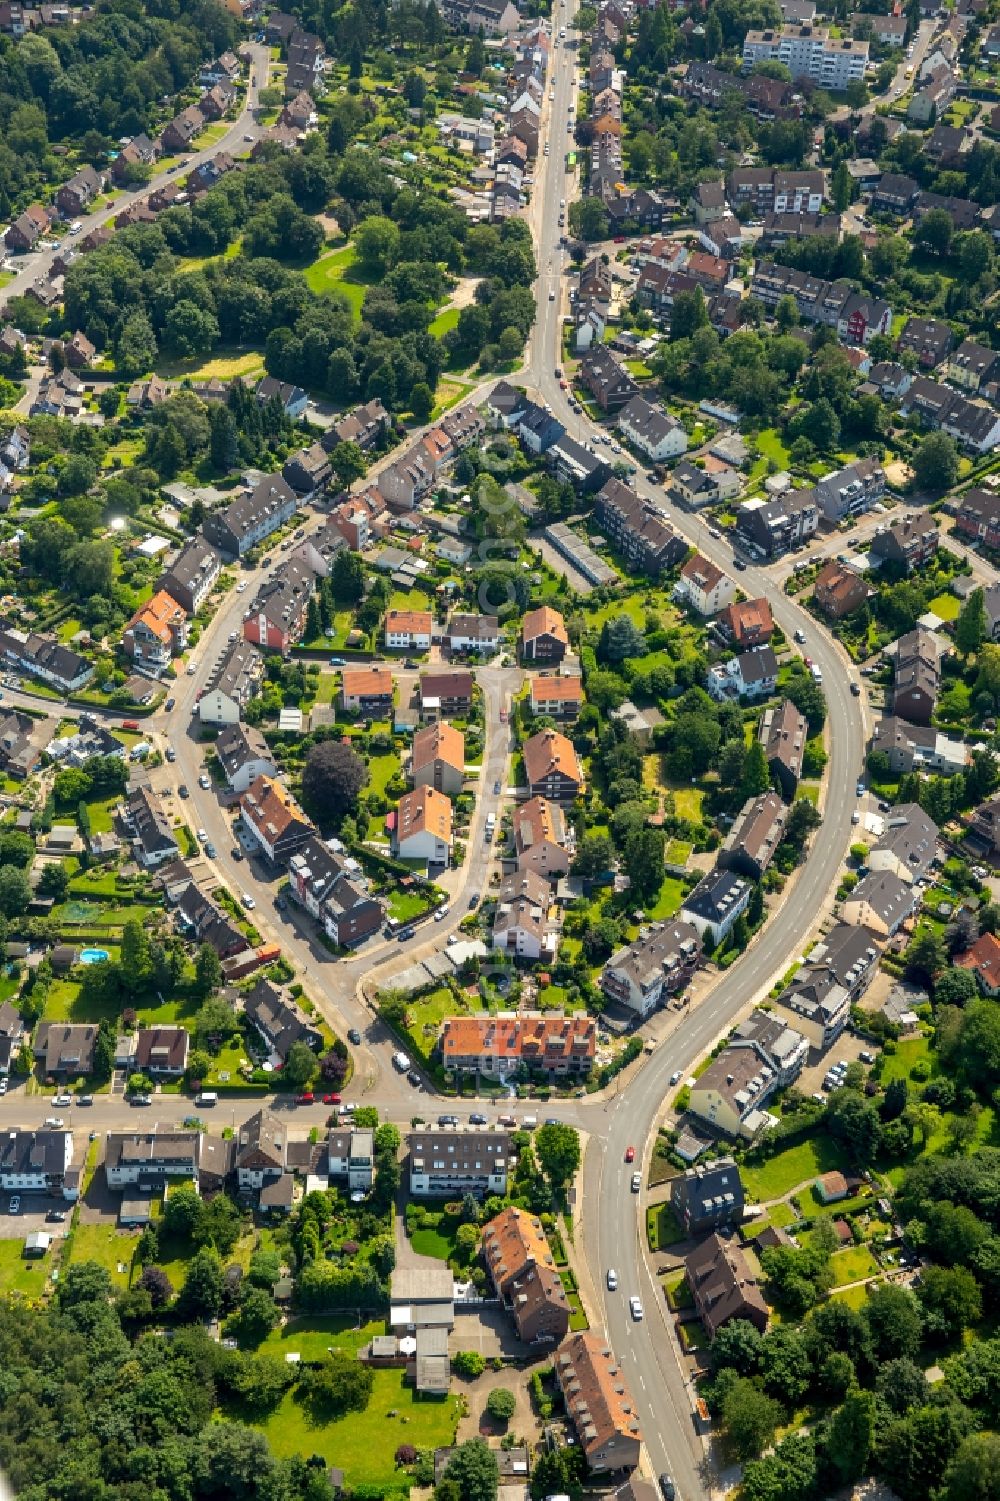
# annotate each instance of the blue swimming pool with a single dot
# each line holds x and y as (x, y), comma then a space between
(93, 956)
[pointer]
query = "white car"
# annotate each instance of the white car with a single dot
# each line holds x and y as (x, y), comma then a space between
(612, 1279)
(205, 781)
(635, 1308)
(636, 1182)
(62, 1099)
(552, 296)
(241, 586)
(54, 1122)
(14, 1207)
(191, 669)
(202, 836)
(248, 901)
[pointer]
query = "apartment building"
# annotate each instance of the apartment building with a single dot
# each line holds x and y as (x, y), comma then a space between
(500, 1047)
(450, 1163)
(809, 52)
(644, 974)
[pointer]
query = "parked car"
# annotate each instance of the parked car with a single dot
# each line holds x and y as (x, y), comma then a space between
(353, 1035)
(55, 1216)
(477, 1118)
(331, 1099)
(305, 1098)
(54, 1122)
(182, 791)
(14, 1207)
(636, 1182)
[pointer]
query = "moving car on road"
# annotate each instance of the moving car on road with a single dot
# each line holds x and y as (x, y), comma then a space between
(612, 1279)
(635, 1308)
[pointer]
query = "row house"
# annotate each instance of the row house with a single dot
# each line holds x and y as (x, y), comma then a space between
(277, 615)
(908, 844)
(192, 575)
(333, 889)
(856, 317)
(974, 367)
(764, 189)
(644, 974)
(972, 424)
(240, 526)
(638, 528)
(234, 682)
(704, 586)
(908, 544)
(766, 99)
(524, 1275)
(834, 977)
(274, 819)
(522, 926)
(929, 339)
(244, 755)
(917, 676)
(443, 1163)
(182, 129)
(918, 747)
(598, 1403)
(977, 517)
(505, 1045)
(422, 827)
(654, 432)
(75, 196)
(779, 228)
(552, 767)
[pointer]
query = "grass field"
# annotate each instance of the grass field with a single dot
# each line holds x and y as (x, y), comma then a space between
(28, 1278)
(363, 1444)
(337, 271)
(852, 1265)
(678, 852)
(796, 1164)
(210, 136)
(105, 1245)
(445, 321)
(662, 1227)
(381, 770)
(220, 367)
(909, 1052)
(406, 904)
(672, 894)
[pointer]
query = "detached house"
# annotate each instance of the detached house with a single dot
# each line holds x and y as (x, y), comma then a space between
(437, 759)
(704, 586)
(652, 431)
(607, 381)
(839, 591)
(552, 767)
(724, 1286)
(423, 826)
(910, 543)
(598, 1403)
(157, 633)
(543, 636)
(149, 829)
(542, 838)
(524, 1275)
(408, 630)
(279, 1018)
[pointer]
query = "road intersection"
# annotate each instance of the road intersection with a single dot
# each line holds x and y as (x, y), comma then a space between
(611, 1218)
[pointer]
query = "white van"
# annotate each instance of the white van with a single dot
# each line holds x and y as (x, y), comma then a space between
(529, 1123)
(207, 1097)
(400, 1062)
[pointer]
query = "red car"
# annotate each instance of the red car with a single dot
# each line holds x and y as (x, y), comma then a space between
(619, 239)
(630, 1154)
(308, 1098)
(331, 1099)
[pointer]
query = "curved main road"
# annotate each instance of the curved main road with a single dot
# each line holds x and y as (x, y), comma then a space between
(612, 1228)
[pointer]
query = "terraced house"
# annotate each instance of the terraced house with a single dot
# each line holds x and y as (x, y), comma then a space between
(500, 1047)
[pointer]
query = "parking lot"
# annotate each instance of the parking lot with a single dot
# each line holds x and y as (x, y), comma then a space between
(31, 1215)
(846, 1049)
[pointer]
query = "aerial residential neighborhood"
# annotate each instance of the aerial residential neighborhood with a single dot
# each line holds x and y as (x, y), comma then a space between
(499, 753)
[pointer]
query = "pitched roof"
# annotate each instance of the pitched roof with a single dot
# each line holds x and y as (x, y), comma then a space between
(544, 622)
(598, 1403)
(439, 741)
(548, 753)
(424, 810)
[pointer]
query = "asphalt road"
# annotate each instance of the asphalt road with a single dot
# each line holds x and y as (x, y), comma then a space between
(34, 267)
(613, 1218)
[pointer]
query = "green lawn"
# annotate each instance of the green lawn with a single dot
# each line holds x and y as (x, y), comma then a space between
(796, 1164)
(770, 446)
(381, 770)
(363, 1444)
(678, 851)
(337, 272)
(107, 1246)
(312, 1338)
(909, 1052)
(855, 1297)
(445, 321)
(945, 606)
(852, 1265)
(409, 599)
(28, 1278)
(403, 905)
(662, 1227)
(431, 1242)
(672, 894)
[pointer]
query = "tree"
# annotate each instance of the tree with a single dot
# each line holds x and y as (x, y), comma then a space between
(970, 627)
(620, 639)
(935, 463)
(473, 1467)
(332, 780)
(501, 1404)
(849, 1439)
(300, 1065)
(136, 348)
(645, 851)
(181, 1211)
(925, 955)
(756, 773)
(934, 232)
(421, 402)
(594, 855)
(557, 1148)
(803, 817)
(157, 1284)
(201, 1295)
(749, 1419)
(347, 576)
(15, 891)
(974, 1472)
(348, 463)
(376, 241)
(338, 1385)
(950, 1300)
(207, 971)
(787, 1474)
(469, 1363)
(255, 1317)
(54, 881)
(892, 1319)
(954, 988)
(840, 185)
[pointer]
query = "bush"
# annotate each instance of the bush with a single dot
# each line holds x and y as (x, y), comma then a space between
(469, 1363)
(501, 1404)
